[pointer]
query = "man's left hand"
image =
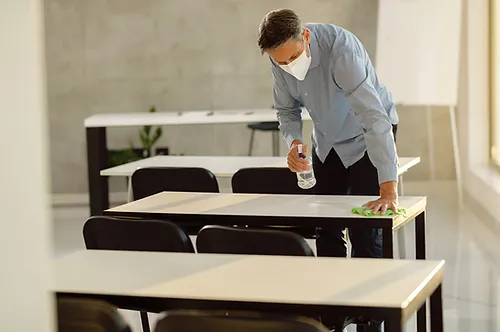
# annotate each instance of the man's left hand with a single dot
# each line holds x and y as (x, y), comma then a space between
(388, 199)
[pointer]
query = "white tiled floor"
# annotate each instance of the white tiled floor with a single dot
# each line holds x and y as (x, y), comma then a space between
(470, 248)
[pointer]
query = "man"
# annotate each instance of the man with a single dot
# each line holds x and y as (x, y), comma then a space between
(327, 69)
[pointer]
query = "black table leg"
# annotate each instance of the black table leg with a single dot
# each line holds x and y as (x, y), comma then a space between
(420, 236)
(394, 325)
(421, 254)
(97, 160)
(387, 243)
(436, 304)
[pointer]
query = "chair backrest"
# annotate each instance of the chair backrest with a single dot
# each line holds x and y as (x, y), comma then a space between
(196, 321)
(266, 180)
(86, 315)
(150, 181)
(105, 233)
(247, 241)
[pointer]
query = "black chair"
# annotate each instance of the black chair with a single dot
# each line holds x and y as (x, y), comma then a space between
(196, 321)
(272, 127)
(86, 315)
(105, 233)
(150, 181)
(267, 180)
(247, 241)
(271, 180)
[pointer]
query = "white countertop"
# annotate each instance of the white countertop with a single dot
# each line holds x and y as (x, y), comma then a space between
(183, 118)
(228, 204)
(265, 279)
(221, 166)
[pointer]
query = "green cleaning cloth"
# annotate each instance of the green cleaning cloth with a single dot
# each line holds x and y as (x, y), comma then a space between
(368, 213)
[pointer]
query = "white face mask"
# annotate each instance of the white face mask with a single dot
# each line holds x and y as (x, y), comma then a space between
(298, 67)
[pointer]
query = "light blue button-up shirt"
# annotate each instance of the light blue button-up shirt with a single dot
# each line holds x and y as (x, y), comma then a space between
(351, 110)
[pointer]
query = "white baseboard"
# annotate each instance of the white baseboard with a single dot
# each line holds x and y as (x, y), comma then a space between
(83, 199)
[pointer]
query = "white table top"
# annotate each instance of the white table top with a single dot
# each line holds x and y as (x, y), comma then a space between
(221, 166)
(184, 118)
(382, 283)
(229, 204)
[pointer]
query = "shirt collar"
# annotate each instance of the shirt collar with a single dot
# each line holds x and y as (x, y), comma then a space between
(313, 46)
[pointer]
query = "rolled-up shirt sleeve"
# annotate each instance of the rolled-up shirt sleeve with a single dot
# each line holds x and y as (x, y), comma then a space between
(288, 109)
(350, 74)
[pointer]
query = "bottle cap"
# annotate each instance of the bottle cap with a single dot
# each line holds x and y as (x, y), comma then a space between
(299, 150)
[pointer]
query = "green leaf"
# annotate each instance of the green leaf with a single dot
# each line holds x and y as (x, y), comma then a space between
(120, 157)
(144, 140)
(154, 140)
(146, 130)
(157, 133)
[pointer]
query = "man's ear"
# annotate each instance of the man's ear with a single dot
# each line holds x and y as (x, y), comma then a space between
(307, 35)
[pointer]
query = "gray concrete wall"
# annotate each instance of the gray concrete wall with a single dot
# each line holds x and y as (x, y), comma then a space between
(126, 55)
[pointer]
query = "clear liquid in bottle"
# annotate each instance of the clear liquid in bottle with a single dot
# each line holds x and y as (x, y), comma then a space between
(306, 179)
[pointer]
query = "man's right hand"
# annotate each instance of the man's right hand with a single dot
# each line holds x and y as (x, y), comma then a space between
(296, 163)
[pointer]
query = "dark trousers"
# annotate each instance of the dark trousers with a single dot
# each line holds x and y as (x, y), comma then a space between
(358, 179)
(332, 178)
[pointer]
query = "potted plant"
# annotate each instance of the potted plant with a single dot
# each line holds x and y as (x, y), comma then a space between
(148, 136)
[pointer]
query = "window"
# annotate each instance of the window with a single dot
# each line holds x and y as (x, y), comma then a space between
(495, 81)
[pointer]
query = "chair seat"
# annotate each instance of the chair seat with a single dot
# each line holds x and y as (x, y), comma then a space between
(264, 126)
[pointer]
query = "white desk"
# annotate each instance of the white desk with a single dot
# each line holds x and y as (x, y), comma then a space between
(221, 166)
(184, 118)
(97, 151)
(387, 289)
(259, 210)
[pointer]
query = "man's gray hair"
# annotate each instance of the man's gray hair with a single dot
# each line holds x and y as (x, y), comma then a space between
(278, 27)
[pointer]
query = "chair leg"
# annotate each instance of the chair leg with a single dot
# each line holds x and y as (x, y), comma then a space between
(145, 322)
(250, 148)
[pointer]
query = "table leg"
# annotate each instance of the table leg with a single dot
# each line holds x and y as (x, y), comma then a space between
(420, 236)
(130, 194)
(420, 254)
(436, 304)
(401, 188)
(456, 155)
(97, 160)
(387, 243)
(276, 144)
(401, 232)
(394, 325)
